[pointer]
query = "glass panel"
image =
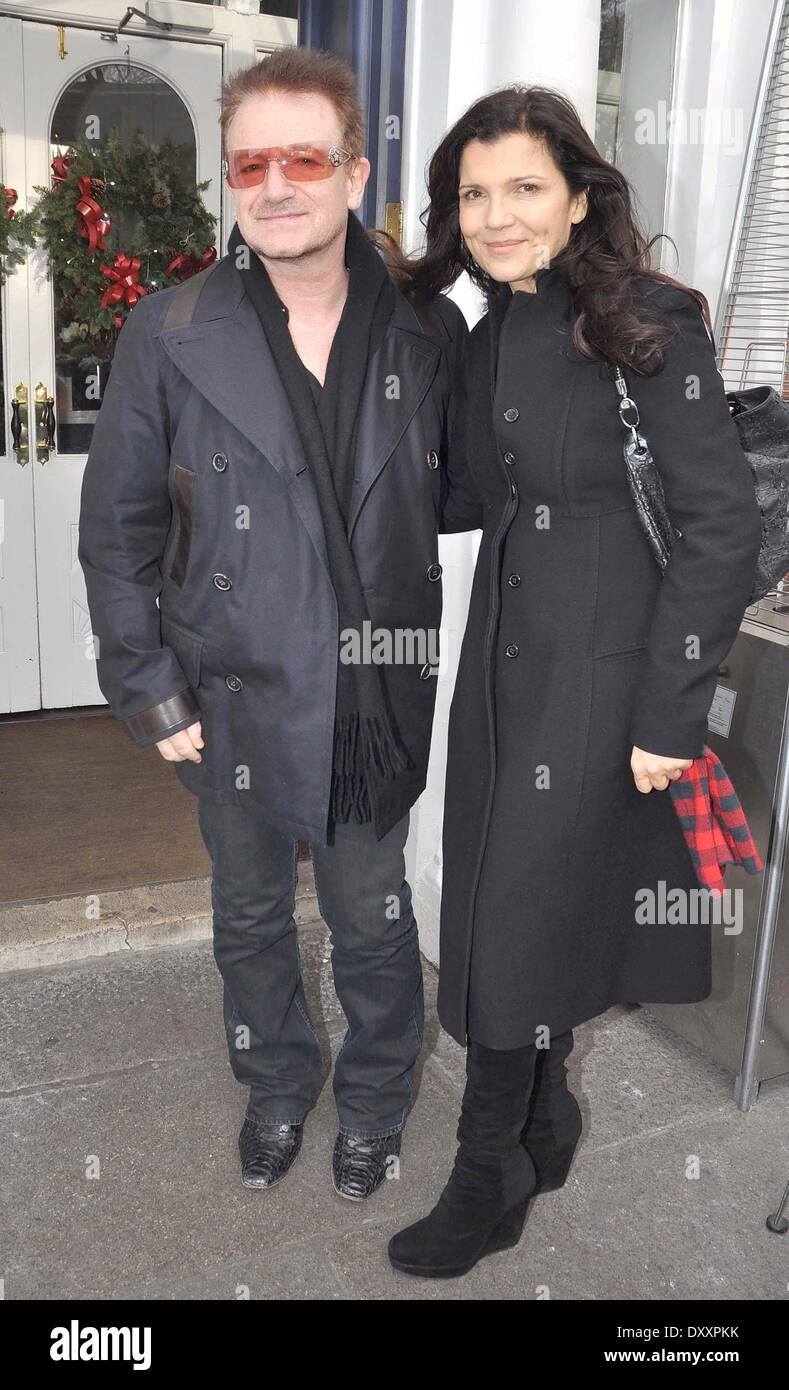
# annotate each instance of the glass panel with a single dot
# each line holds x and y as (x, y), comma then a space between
(129, 101)
(634, 92)
(609, 69)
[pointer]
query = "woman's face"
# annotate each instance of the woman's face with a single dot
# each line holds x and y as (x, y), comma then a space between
(515, 206)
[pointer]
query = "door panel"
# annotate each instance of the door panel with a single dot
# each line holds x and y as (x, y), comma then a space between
(19, 662)
(60, 85)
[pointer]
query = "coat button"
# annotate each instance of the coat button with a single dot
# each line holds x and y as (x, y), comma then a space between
(434, 573)
(426, 672)
(234, 683)
(514, 580)
(511, 649)
(432, 459)
(511, 414)
(221, 581)
(219, 462)
(509, 458)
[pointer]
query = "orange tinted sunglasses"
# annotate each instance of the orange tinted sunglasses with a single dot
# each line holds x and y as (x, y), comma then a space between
(299, 163)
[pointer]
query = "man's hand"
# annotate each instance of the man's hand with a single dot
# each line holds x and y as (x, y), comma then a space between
(184, 744)
(650, 771)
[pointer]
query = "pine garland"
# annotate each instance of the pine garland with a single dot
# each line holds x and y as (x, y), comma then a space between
(17, 232)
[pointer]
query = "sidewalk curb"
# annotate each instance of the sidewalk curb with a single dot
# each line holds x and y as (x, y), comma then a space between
(54, 931)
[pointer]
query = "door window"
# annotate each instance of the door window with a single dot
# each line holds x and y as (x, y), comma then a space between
(132, 102)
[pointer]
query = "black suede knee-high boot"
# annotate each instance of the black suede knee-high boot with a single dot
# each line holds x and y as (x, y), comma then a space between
(554, 1122)
(483, 1205)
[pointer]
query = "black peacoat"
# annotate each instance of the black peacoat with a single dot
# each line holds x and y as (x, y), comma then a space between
(575, 650)
(205, 561)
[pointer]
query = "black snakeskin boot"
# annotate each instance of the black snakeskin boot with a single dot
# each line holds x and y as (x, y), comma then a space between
(483, 1206)
(554, 1123)
(360, 1164)
(268, 1149)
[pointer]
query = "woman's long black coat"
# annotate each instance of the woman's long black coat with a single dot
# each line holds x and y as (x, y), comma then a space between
(575, 650)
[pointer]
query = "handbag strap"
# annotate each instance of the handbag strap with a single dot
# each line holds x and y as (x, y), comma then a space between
(627, 403)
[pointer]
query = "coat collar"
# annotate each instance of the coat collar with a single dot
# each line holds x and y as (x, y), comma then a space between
(549, 307)
(225, 354)
(551, 298)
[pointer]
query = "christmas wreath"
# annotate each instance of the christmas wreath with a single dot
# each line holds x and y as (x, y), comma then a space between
(118, 223)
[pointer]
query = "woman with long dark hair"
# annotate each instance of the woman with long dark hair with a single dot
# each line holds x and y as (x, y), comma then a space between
(585, 676)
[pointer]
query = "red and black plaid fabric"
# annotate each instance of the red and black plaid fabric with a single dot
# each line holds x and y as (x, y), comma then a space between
(713, 821)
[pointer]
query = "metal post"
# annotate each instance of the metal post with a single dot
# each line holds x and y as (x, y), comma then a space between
(747, 1084)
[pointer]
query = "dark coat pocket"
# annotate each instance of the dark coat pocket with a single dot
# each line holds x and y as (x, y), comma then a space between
(184, 485)
(621, 651)
(188, 647)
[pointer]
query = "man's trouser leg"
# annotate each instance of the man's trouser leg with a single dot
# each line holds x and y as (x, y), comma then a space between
(273, 1046)
(365, 901)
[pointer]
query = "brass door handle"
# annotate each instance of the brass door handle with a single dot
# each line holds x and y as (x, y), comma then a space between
(19, 433)
(45, 422)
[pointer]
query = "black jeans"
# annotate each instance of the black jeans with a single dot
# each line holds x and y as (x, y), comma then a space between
(365, 902)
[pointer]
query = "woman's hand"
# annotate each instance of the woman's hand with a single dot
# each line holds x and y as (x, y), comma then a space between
(650, 770)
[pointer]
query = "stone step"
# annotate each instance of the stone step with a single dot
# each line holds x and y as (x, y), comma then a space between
(54, 930)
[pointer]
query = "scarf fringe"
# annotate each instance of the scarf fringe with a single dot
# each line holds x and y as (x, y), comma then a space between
(379, 747)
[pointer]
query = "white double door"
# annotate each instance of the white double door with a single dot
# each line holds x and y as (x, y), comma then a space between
(58, 83)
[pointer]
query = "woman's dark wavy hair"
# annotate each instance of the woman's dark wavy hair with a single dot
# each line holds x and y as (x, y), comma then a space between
(605, 255)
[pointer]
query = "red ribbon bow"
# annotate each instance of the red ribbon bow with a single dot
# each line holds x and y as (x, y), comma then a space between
(59, 168)
(187, 264)
(12, 195)
(125, 287)
(95, 224)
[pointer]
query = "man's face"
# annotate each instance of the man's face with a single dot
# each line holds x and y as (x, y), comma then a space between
(280, 219)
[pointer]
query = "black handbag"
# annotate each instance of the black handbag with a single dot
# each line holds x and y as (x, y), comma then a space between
(762, 421)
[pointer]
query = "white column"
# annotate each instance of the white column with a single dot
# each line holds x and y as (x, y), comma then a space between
(721, 49)
(457, 50)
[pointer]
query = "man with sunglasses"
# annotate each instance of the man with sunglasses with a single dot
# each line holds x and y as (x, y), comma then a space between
(271, 465)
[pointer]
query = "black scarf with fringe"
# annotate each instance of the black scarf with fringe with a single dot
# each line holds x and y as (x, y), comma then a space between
(365, 733)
